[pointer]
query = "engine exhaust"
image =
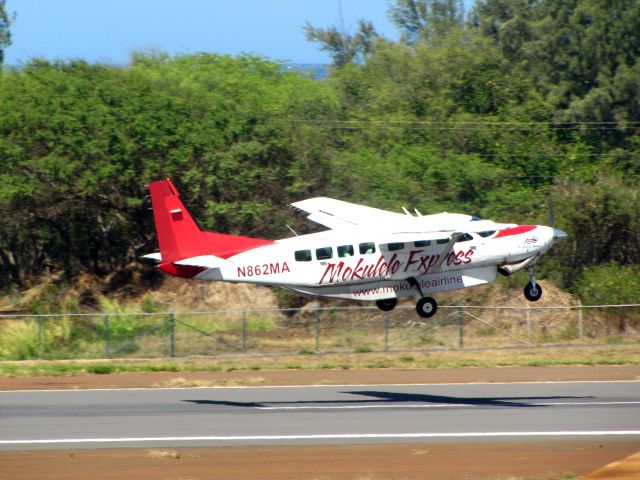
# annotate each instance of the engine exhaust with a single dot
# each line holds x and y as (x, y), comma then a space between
(509, 269)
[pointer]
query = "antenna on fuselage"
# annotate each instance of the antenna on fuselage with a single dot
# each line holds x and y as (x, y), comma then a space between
(406, 212)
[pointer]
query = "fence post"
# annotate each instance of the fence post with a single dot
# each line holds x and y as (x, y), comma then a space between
(244, 330)
(172, 334)
(460, 325)
(317, 331)
(580, 325)
(529, 334)
(40, 338)
(106, 334)
(386, 331)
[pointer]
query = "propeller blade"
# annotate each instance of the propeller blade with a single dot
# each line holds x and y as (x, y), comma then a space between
(552, 217)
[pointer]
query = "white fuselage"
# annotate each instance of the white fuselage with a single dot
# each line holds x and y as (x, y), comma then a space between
(354, 264)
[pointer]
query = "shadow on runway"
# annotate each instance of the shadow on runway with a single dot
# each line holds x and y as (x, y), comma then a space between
(397, 398)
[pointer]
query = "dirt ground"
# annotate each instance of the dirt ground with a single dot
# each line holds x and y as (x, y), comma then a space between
(412, 461)
(479, 460)
(324, 377)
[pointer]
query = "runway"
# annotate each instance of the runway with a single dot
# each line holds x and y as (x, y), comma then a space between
(318, 415)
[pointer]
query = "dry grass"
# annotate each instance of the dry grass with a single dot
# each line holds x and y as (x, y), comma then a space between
(168, 454)
(600, 355)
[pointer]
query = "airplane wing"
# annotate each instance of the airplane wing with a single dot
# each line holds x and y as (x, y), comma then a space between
(336, 214)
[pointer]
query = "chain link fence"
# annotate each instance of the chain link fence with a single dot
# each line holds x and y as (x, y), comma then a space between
(310, 330)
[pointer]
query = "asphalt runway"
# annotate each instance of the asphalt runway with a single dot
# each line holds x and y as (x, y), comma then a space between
(318, 415)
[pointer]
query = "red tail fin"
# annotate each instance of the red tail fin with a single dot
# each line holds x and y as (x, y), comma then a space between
(180, 237)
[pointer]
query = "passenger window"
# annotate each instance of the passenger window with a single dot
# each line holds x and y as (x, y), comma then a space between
(345, 251)
(395, 246)
(487, 233)
(303, 255)
(442, 241)
(422, 243)
(367, 248)
(465, 237)
(324, 253)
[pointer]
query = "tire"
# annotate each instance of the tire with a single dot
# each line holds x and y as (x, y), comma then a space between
(387, 304)
(530, 294)
(426, 307)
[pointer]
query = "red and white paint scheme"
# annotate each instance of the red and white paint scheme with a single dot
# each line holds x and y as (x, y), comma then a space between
(367, 253)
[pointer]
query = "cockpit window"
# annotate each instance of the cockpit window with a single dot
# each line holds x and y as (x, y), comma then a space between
(465, 237)
(486, 234)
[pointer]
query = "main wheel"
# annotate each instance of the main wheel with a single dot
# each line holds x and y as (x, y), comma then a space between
(426, 307)
(387, 304)
(532, 293)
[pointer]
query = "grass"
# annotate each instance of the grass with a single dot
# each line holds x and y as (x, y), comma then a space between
(600, 355)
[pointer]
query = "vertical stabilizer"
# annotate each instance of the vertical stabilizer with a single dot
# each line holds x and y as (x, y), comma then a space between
(178, 234)
(180, 237)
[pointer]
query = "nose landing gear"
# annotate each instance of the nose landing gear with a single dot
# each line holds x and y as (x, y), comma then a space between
(532, 291)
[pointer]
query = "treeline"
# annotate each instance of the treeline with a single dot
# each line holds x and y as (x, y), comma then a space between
(521, 105)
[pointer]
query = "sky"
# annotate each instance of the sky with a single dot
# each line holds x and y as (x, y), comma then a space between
(108, 30)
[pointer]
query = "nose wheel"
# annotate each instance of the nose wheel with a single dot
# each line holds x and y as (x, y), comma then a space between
(532, 291)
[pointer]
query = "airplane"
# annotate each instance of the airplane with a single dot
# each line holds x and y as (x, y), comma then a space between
(366, 253)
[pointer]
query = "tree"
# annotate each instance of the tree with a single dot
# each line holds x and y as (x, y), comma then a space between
(5, 34)
(425, 19)
(612, 284)
(582, 54)
(341, 45)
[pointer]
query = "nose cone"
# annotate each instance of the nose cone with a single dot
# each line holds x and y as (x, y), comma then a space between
(559, 234)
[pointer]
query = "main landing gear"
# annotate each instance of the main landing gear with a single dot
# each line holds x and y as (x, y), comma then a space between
(532, 291)
(387, 304)
(426, 306)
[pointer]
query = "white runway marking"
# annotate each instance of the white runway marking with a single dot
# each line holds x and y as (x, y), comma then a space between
(343, 436)
(442, 405)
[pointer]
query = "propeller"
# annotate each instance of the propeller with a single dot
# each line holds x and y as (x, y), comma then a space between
(557, 234)
(552, 216)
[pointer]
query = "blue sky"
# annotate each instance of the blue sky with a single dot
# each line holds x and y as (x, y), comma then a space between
(108, 30)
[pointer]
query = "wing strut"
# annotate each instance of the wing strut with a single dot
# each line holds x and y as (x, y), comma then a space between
(445, 251)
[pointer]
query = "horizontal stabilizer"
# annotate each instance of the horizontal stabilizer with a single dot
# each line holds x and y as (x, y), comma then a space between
(151, 258)
(205, 261)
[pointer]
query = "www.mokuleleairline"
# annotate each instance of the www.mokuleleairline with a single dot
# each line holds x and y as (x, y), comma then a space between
(367, 253)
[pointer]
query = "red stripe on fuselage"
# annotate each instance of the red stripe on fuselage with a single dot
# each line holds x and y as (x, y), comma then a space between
(515, 231)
